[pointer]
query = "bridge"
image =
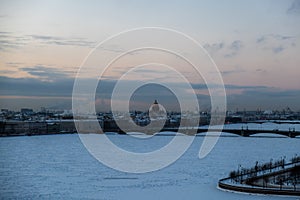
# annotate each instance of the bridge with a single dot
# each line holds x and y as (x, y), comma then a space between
(14, 128)
(292, 133)
(276, 121)
(248, 132)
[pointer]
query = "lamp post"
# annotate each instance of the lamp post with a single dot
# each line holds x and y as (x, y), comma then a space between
(271, 160)
(239, 172)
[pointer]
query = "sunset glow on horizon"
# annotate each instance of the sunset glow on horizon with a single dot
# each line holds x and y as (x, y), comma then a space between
(255, 45)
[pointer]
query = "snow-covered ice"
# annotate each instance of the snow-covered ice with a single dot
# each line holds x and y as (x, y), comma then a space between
(59, 167)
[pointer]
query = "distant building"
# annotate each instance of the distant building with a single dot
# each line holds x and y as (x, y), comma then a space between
(26, 111)
(4, 110)
(268, 112)
(43, 110)
(155, 106)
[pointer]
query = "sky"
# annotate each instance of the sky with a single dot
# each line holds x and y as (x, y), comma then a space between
(255, 45)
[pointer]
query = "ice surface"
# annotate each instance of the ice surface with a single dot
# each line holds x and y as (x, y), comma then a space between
(59, 167)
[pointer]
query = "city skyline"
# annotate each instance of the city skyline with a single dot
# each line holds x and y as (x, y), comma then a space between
(255, 45)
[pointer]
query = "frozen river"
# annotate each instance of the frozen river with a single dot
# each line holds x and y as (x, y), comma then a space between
(59, 167)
